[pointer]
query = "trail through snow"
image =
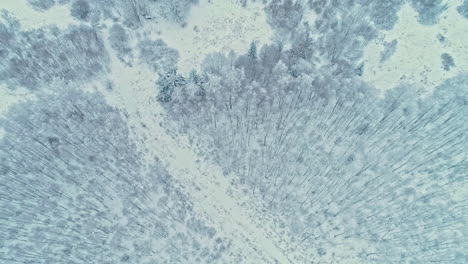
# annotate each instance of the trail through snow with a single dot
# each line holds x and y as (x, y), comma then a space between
(134, 90)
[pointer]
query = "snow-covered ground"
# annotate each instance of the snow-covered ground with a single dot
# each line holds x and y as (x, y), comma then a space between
(58, 15)
(10, 97)
(417, 59)
(219, 26)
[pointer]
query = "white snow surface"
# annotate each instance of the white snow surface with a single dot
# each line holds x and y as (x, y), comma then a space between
(30, 19)
(417, 58)
(215, 26)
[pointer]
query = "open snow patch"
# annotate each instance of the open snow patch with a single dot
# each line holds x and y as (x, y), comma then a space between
(58, 15)
(417, 58)
(219, 26)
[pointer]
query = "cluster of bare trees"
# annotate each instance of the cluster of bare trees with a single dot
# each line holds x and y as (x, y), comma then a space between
(74, 190)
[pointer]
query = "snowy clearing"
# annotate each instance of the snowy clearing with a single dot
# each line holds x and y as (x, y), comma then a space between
(58, 15)
(417, 58)
(219, 26)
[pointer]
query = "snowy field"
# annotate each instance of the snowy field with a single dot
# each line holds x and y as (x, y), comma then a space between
(216, 26)
(415, 60)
